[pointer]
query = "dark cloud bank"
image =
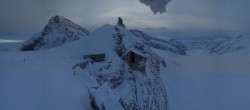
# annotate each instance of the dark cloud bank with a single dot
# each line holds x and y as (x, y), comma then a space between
(176, 16)
(156, 5)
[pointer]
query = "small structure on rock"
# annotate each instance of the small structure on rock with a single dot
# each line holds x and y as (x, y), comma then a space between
(136, 61)
(95, 57)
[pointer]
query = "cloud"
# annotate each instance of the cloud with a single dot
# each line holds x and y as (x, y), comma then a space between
(156, 5)
(182, 15)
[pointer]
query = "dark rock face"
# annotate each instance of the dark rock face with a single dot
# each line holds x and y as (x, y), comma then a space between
(57, 32)
(120, 22)
(33, 44)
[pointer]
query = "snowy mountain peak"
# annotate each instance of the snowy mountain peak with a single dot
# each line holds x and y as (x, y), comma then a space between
(58, 31)
(61, 24)
(57, 19)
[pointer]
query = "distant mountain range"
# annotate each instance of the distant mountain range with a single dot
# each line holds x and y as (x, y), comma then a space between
(235, 44)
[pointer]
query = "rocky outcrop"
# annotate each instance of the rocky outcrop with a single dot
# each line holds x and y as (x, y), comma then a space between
(120, 22)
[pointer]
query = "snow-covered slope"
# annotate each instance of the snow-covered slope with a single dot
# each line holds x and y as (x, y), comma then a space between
(110, 84)
(169, 44)
(39, 81)
(236, 44)
(53, 78)
(131, 89)
(57, 32)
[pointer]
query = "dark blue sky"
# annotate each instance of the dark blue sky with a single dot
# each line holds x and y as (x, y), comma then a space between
(182, 19)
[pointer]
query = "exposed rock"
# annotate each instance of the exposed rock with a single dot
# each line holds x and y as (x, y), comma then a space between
(120, 22)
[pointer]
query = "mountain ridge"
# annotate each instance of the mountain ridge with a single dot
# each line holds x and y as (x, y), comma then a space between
(235, 44)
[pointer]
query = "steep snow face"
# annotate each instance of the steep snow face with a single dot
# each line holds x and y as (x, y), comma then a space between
(163, 44)
(57, 32)
(240, 43)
